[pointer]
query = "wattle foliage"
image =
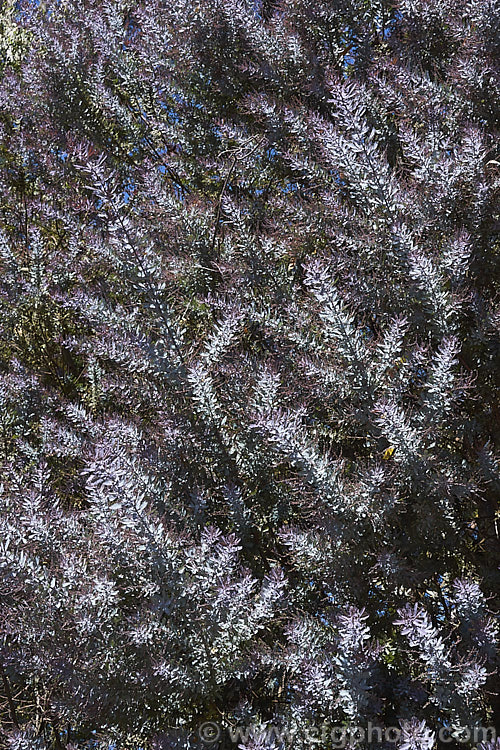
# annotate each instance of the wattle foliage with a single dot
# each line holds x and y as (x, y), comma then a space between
(249, 382)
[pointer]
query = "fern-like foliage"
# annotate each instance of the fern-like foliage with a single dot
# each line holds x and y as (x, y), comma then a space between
(249, 412)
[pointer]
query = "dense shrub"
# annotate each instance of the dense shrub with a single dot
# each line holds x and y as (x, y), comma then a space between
(249, 383)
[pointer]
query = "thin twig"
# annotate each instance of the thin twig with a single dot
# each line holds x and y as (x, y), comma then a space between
(10, 699)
